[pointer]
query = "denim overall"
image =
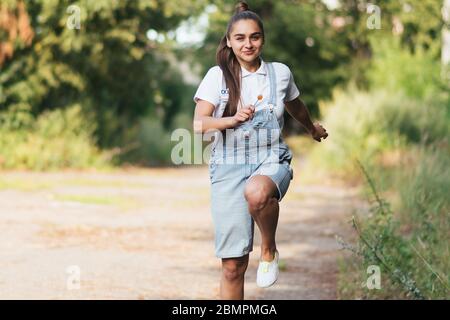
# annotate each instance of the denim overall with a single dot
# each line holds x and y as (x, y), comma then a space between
(253, 147)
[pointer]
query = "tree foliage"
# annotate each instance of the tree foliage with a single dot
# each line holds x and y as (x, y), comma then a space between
(328, 47)
(108, 65)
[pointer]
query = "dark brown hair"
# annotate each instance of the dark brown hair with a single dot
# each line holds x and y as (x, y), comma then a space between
(227, 60)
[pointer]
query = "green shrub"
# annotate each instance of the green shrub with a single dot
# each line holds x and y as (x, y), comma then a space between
(409, 242)
(56, 139)
(395, 69)
(146, 143)
(364, 125)
(399, 130)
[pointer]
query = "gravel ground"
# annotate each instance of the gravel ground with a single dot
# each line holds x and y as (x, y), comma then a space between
(148, 234)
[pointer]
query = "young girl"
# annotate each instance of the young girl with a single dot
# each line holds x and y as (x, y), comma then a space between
(242, 100)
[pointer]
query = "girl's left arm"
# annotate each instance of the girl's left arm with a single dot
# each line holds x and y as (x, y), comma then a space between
(298, 110)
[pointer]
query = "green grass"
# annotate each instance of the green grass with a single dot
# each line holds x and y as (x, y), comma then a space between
(55, 139)
(408, 240)
(400, 136)
(123, 203)
(24, 185)
(103, 183)
(16, 183)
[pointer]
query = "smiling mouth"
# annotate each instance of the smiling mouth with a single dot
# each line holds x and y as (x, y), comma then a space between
(248, 52)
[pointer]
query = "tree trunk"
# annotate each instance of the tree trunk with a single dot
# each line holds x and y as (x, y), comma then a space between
(445, 54)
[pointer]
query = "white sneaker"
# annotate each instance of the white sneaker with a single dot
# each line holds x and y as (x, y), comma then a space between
(267, 272)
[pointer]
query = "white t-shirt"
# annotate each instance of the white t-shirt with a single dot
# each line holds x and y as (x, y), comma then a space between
(253, 84)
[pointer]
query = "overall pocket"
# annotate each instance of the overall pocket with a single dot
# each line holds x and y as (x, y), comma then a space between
(260, 119)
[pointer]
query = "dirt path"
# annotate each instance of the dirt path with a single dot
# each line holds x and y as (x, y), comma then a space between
(148, 235)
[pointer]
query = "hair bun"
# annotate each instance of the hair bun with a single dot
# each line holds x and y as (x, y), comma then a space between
(241, 6)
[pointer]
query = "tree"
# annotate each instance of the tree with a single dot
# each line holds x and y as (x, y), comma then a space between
(107, 65)
(15, 29)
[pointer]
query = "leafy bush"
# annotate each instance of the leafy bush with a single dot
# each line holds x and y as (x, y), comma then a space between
(146, 143)
(364, 125)
(411, 245)
(395, 69)
(399, 131)
(56, 139)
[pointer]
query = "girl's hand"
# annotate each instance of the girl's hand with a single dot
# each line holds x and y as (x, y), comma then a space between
(243, 114)
(319, 132)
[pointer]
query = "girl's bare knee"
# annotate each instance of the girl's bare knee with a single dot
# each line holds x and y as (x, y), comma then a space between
(233, 269)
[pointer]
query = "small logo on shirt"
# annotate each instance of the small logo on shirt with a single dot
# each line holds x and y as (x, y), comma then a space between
(224, 91)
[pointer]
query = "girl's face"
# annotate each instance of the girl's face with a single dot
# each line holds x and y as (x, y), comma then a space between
(246, 40)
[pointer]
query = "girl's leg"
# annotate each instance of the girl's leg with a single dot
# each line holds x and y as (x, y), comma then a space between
(232, 281)
(261, 195)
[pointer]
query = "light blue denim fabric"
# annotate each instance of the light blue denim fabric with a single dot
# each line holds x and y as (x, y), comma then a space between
(254, 147)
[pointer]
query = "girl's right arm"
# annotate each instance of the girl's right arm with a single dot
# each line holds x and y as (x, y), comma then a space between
(204, 121)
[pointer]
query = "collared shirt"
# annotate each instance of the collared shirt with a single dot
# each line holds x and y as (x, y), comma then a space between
(253, 84)
(261, 70)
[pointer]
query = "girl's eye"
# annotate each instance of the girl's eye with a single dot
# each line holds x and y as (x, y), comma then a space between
(254, 38)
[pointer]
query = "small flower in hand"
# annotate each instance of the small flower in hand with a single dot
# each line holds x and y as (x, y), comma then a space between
(258, 100)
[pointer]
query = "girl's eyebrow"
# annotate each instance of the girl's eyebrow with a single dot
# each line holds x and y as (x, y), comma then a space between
(242, 35)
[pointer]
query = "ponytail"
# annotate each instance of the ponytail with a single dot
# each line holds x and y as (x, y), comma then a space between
(231, 70)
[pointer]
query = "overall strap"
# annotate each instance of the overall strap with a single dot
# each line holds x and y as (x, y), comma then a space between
(273, 96)
(224, 85)
(272, 84)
